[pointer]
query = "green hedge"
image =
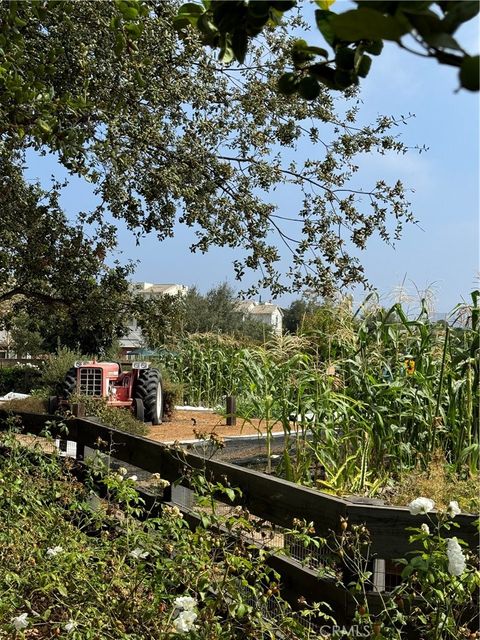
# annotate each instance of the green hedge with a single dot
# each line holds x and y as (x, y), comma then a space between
(21, 379)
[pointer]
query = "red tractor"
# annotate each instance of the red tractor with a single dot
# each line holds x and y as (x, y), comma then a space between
(139, 390)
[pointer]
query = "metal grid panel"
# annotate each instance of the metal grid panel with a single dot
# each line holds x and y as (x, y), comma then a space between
(386, 575)
(91, 381)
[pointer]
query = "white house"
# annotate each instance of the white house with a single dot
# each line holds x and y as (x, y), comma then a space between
(268, 313)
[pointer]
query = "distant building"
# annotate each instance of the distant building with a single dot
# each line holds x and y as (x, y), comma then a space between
(268, 313)
(6, 345)
(150, 290)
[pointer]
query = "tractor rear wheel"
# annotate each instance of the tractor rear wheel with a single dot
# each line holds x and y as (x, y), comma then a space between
(149, 389)
(69, 386)
(139, 409)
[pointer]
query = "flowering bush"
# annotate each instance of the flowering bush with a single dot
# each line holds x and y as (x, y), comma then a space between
(74, 565)
(435, 599)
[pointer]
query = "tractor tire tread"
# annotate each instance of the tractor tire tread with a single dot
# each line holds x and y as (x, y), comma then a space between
(146, 390)
(70, 383)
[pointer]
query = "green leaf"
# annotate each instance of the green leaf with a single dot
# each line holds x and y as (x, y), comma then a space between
(469, 73)
(309, 88)
(259, 8)
(324, 74)
(230, 493)
(325, 4)
(344, 79)
(205, 521)
(379, 5)
(442, 41)
(366, 24)
(128, 11)
(190, 9)
(324, 20)
(226, 54)
(207, 27)
(287, 83)
(134, 29)
(302, 53)
(362, 70)
(188, 14)
(425, 23)
(119, 45)
(318, 51)
(412, 7)
(227, 16)
(44, 126)
(407, 571)
(284, 5)
(375, 47)
(459, 13)
(240, 45)
(345, 58)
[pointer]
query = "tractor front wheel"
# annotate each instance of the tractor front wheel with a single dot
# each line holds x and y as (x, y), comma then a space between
(149, 389)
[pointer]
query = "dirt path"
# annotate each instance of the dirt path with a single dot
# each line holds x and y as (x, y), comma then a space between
(189, 424)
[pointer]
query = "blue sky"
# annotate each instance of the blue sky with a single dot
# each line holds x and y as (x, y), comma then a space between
(441, 253)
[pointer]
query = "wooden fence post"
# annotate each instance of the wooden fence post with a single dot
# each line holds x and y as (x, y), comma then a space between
(78, 410)
(231, 411)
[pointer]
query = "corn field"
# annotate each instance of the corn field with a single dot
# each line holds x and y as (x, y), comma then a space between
(378, 392)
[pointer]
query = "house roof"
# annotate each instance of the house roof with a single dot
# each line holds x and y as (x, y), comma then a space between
(244, 305)
(265, 309)
(149, 287)
(257, 308)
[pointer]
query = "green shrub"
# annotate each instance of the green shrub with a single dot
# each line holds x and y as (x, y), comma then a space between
(75, 566)
(21, 378)
(55, 369)
(172, 394)
(118, 418)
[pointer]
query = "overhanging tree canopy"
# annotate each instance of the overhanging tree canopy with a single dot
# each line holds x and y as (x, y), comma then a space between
(352, 35)
(166, 134)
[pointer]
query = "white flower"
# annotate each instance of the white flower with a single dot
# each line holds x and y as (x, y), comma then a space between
(138, 554)
(122, 471)
(133, 478)
(421, 505)
(185, 621)
(20, 622)
(155, 476)
(456, 559)
(70, 626)
(185, 602)
(54, 551)
(118, 477)
(425, 529)
(453, 509)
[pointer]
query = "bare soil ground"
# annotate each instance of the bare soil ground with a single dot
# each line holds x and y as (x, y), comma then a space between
(193, 424)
